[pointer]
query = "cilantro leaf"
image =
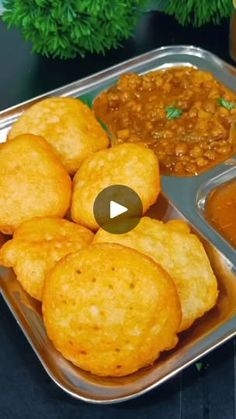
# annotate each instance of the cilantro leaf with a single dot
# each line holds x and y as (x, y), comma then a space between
(173, 113)
(226, 104)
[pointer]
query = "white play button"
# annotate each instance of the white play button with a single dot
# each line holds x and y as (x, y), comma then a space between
(116, 209)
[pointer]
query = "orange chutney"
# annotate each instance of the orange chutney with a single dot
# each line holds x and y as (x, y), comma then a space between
(221, 210)
(184, 114)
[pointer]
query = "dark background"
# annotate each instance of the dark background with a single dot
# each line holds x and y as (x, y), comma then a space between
(25, 389)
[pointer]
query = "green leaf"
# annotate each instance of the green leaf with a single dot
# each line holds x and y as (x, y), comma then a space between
(173, 113)
(67, 28)
(87, 100)
(199, 12)
(105, 127)
(226, 104)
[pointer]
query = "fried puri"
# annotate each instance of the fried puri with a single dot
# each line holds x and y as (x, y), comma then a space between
(68, 125)
(181, 254)
(33, 182)
(132, 165)
(110, 310)
(36, 247)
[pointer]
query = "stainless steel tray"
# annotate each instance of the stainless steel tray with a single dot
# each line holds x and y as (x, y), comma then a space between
(185, 194)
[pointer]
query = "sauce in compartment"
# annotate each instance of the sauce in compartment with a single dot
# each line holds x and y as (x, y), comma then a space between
(184, 114)
(221, 210)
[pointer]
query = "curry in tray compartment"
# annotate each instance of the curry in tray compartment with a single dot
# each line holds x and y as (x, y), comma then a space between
(184, 114)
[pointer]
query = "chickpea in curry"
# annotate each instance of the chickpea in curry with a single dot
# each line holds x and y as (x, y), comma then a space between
(184, 114)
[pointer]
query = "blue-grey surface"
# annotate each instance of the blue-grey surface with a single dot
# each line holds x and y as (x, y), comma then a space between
(25, 389)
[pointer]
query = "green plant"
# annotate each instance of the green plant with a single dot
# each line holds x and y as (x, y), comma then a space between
(199, 12)
(66, 28)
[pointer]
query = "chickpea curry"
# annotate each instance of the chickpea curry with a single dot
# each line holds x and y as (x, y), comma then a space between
(184, 114)
(221, 210)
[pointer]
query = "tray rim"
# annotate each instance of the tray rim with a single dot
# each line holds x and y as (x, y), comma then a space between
(115, 70)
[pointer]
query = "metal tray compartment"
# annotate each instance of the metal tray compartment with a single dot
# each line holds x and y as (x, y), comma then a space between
(215, 327)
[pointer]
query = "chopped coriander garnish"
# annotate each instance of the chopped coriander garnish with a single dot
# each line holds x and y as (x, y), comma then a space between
(173, 113)
(226, 104)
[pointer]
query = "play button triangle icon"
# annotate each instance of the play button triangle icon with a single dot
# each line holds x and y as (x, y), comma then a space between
(116, 209)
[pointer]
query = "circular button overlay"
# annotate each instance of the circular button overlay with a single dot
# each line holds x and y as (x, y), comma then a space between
(117, 209)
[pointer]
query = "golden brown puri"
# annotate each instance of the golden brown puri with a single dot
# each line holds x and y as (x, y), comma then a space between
(182, 254)
(110, 310)
(68, 125)
(33, 182)
(36, 247)
(132, 165)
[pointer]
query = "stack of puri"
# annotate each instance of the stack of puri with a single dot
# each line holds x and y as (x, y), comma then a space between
(111, 303)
